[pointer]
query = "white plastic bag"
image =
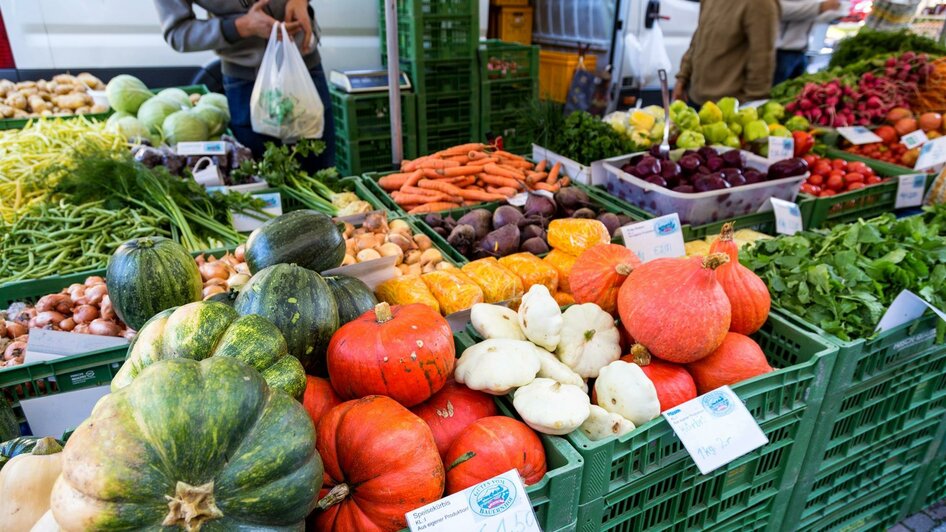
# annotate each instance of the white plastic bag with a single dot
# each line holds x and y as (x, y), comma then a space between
(645, 57)
(285, 103)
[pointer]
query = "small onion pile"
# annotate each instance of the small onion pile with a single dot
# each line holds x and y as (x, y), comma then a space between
(228, 273)
(377, 238)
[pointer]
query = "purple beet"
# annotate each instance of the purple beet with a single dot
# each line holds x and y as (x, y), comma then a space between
(735, 180)
(690, 163)
(648, 166)
(753, 176)
(715, 163)
(707, 153)
(669, 169)
(711, 182)
(725, 173)
(657, 180)
(732, 159)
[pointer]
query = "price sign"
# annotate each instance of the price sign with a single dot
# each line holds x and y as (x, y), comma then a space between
(716, 428)
(915, 139)
(932, 154)
(905, 308)
(910, 189)
(499, 504)
(859, 135)
(653, 239)
(214, 147)
(781, 148)
(243, 222)
(787, 216)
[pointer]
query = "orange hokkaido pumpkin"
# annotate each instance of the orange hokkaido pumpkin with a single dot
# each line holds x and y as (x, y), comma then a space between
(599, 272)
(738, 358)
(319, 397)
(491, 446)
(673, 382)
(747, 293)
(380, 461)
(676, 308)
(452, 409)
(405, 352)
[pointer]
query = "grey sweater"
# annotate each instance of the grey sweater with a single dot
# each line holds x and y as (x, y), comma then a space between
(240, 57)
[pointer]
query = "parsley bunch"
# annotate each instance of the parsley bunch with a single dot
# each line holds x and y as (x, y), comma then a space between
(586, 138)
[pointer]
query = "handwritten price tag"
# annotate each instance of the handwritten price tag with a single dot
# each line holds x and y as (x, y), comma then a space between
(499, 504)
(787, 216)
(912, 140)
(910, 189)
(716, 428)
(932, 154)
(243, 222)
(653, 239)
(859, 135)
(781, 148)
(905, 308)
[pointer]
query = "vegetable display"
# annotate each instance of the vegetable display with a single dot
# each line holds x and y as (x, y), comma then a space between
(451, 410)
(378, 237)
(491, 446)
(830, 177)
(64, 94)
(305, 238)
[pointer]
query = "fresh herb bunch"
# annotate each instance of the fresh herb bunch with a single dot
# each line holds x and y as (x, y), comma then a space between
(867, 44)
(844, 279)
(586, 138)
(281, 167)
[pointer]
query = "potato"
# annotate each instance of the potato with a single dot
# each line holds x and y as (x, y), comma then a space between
(25, 84)
(90, 81)
(38, 104)
(6, 111)
(70, 101)
(84, 110)
(65, 78)
(65, 88)
(19, 113)
(17, 101)
(99, 108)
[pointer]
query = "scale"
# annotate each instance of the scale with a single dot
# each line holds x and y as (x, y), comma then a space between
(359, 81)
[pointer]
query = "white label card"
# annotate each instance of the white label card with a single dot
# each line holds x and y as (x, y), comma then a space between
(906, 307)
(781, 148)
(910, 189)
(214, 147)
(932, 154)
(244, 223)
(859, 135)
(912, 140)
(716, 428)
(654, 239)
(787, 217)
(520, 199)
(499, 504)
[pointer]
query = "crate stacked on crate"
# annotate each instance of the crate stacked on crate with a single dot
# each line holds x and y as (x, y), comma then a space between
(363, 130)
(437, 41)
(509, 85)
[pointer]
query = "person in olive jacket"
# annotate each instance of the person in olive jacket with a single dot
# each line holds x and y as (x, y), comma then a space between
(732, 52)
(238, 31)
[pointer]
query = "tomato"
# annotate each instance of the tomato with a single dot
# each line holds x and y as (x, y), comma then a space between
(857, 166)
(816, 179)
(810, 159)
(839, 164)
(835, 182)
(811, 190)
(853, 177)
(873, 180)
(855, 186)
(826, 193)
(822, 167)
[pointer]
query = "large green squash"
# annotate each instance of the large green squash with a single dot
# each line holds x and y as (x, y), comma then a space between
(306, 238)
(148, 275)
(300, 303)
(204, 329)
(352, 296)
(191, 445)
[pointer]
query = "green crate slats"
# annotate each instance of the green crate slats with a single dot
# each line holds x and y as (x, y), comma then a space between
(443, 78)
(632, 469)
(931, 487)
(20, 123)
(367, 115)
(446, 121)
(432, 30)
(507, 94)
(369, 155)
(849, 206)
(874, 510)
(502, 61)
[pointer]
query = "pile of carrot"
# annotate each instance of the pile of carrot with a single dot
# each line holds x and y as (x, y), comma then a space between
(466, 175)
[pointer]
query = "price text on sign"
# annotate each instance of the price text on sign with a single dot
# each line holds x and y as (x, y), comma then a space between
(910, 189)
(214, 147)
(859, 135)
(787, 217)
(499, 504)
(715, 428)
(654, 239)
(781, 148)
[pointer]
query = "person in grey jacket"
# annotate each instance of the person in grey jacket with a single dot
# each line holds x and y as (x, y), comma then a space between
(238, 31)
(797, 19)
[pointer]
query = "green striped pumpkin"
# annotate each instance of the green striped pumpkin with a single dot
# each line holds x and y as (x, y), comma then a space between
(352, 296)
(306, 238)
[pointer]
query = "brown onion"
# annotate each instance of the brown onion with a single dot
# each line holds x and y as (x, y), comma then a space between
(67, 324)
(211, 270)
(236, 281)
(14, 350)
(102, 327)
(44, 319)
(108, 312)
(128, 333)
(199, 259)
(3, 328)
(96, 293)
(15, 329)
(61, 303)
(86, 313)
(24, 316)
(241, 267)
(240, 253)
(94, 280)
(76, 290)
(213, 290)
(216, 281)
(81, 328)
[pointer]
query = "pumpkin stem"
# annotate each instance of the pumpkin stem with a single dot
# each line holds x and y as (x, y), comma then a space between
(382, 312)
(726, 233)
(47, 445)
(641, 355)
(715, 260)
(335, 496)
(463, 458)
(589, 334)
(623, 269)
(191, 506)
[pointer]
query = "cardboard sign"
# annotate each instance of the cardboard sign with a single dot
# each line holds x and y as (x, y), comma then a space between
(905, 308)
(494, 505)
(654, 239)
(51, 415)
(910, 189)
(716, 428)
(859, 135)
(46, 344)
(245, 223)
(781, 148)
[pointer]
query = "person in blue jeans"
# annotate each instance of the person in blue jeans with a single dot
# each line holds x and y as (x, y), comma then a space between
(238, 31)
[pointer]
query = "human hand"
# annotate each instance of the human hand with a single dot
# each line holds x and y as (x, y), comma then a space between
(680, 91)
(257, 23)
(830, 5)
(297, 13)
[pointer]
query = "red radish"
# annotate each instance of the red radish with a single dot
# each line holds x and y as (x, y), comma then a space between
(738, 358)
(676, 308)
(673, 382)
(451, 410)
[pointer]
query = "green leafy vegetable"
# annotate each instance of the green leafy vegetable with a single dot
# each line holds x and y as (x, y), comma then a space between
(585, 138)
(867, 44)
(843, 279)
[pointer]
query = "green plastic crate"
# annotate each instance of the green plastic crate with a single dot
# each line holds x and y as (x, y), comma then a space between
(630, 470)
(849, 206)
(876, 509)
(510, 96)
(513, 126)
(502, 61)
(360, 116)
(431, 30)
(932, 486)
(436, 138)
(442, 78)
(369, 155)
